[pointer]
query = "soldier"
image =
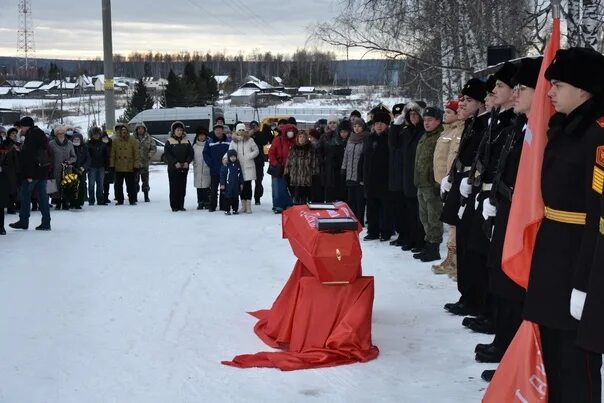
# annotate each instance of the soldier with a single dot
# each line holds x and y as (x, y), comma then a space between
(147, 149)
(571, 185)
(472, 106)
(508, 295)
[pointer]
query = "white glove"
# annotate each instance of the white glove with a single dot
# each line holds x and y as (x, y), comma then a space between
(577, 300)
(460, 212)
(465, 188)
(445, 185)
(488, 210)
(399, 120)
(476, 202)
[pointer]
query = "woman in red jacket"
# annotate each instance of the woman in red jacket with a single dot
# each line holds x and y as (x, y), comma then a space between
(277, 157)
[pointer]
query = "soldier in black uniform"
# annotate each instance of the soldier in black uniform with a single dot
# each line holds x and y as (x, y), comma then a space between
(474, 93)
(564, 248)
(508, 296)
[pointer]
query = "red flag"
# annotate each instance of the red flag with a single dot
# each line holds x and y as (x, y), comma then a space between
(527, 204)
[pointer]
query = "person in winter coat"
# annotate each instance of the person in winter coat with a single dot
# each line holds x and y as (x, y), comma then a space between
(445, 153)
(262, 139)
(331, 154)
(64, 158)
(395, 179)
(247, 151)
(351, 166)
(302, 165)
(11, 150)
(147, 149)
(81, 166)
(35, 160)
(212, 155)
(99, 162)
(375, 179)
(409, 133)
(231, 182)
(124, 160)
(428, 190)
(109, 173)
(8, 177)
(277, 157)
(201, 171)
(178, 153)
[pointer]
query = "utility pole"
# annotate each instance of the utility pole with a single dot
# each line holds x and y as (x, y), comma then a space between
(108, 68)
(555, 8)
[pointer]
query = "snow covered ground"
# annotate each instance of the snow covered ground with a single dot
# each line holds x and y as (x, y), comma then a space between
(139, 304)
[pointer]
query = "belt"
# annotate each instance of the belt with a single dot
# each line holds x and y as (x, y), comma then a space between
(566, 217)
(602, 226)
(486, 187)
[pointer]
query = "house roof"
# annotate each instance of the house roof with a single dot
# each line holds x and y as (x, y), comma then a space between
(221, 79)
(5, 90)
(23, 91)
(33, 84)
(245, 92)
(306, 89)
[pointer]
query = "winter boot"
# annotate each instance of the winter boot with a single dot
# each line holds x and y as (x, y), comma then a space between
(34, 205)
(199, 206)
(248, 207)
(448, 264)
(43, 227)
(21, 224)
(2, 231)
(431, 253)
(147, 200)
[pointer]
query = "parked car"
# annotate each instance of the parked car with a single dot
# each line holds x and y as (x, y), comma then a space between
(158, 158)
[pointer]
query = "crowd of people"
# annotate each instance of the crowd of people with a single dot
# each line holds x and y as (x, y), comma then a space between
(404, 173)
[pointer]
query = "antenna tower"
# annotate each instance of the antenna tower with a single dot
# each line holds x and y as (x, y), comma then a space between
(26, 61)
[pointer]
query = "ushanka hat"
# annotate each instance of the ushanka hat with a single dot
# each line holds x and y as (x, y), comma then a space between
(506, 74)
(398, 109)
(528, 71)
(381, 117)
(475, 89)
(580, 67)
(490, 83)
(434, 112)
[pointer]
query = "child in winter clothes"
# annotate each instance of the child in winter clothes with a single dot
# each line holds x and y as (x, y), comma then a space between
(231, 182)
(351, 169)
(302, 164)
(201, 171)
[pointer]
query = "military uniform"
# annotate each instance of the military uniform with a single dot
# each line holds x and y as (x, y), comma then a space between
(147, 150)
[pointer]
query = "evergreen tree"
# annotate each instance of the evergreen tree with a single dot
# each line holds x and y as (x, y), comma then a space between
(140, 101)
(173, 96)
(191, 86)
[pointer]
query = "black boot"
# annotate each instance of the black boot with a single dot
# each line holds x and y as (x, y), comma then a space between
(199, 206)
(34, 205)
(492, 355)
(19, 225)
(147, 200)
(43, 227)
(431, 253)
(487, 375)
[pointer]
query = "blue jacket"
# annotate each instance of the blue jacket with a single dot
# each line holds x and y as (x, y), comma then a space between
(213, 153)
(232, 179)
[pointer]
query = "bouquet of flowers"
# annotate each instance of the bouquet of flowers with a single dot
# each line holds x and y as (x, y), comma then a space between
(70, 184)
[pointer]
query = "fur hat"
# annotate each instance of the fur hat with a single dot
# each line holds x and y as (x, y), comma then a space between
(398, 109)
(355, 113)
(26, 122)
(490, 83)
(528, 71)
(434, 112)
(580, 67)
(332, 118)
(475, 89)
(292, 121)
(141, 124)
(176, 125)
(240, 127)
(453, 105)
(506, 74)
(345, 125)
(358, 121)
(381, 117)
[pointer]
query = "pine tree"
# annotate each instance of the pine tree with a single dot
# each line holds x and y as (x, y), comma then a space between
(191, 84)
(140, 101)
(173, 95)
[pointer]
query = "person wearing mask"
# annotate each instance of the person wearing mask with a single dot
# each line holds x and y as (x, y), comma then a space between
(201, 171)
(124, 161)
(99, 163)
(35, 160)
(277, 157)
(178, 153)
(146, 150)
(212, 155)
(64, 158)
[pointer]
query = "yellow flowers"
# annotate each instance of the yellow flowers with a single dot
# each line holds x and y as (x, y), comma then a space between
(69, 179)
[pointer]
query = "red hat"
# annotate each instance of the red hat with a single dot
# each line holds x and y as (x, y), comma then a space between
(453, 105)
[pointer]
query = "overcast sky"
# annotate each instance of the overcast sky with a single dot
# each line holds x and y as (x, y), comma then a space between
(73, 29)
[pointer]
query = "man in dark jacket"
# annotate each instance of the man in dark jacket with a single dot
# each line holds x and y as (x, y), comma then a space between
(99, 162)
(212, 155)
(261, 138)
(35, 169)
(375, 174)
(178, 153)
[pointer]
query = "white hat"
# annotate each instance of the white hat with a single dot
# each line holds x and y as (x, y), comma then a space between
(240, 127)
(332, 118)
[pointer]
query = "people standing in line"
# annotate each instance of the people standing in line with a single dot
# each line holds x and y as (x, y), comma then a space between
(202, 178)
(302, 164)
(81, 167)
(247, 151)
(99, 163)
(428, 190)
(351, 168)
(231, 182)
(444, 157)
(262, 139)
(277, 156)
(395, 177)
(124, 161)
(35, 160)
(331, 153)
(178, 153)
(64, 158)
(215, 149)
(374, 175)
(109, 173)
(147, 149)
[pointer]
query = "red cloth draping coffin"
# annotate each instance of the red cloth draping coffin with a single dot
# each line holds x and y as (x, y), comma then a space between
(319, 325)
(330, 257)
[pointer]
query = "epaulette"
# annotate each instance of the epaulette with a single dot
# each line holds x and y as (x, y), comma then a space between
(600, 122)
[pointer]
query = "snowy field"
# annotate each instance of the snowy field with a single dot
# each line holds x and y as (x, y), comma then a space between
(139, 304)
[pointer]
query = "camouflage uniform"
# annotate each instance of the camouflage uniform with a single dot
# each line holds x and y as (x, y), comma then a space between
(147, 149)
(428, 191)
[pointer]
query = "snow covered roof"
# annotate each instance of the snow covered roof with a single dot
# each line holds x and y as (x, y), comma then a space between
(278, 80)
(69, 86)
(245, 92)
(23, 90)
(5, 90)
(51, 85)
(221, 79)
(306, 89)
(33, 84)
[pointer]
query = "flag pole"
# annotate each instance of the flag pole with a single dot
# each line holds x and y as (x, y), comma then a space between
(555, 8)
